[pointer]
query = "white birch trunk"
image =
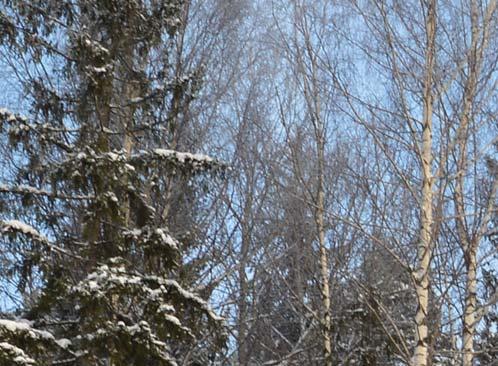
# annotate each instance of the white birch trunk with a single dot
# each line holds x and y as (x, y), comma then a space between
(421, 277)
(324, 271)
(469, 321)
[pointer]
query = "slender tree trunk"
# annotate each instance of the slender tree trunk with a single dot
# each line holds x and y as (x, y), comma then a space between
(305, 60)
(421, 277)
(242, 330)
(469, 319)
(470, 245)
(312, 95)
(324, 267)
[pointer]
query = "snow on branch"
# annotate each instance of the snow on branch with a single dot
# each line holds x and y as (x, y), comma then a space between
(16, 226)
(9, 117)
(191, 296)
(182, 160)
(14, 355)
(21, 332)
(107, 280)
(13, 227)
(23, 189)
(22, 328)
(94, 46)
(153, 239)
(140, 335)
(182, 157)
(20, 129)
(88, 160)
(119, 163)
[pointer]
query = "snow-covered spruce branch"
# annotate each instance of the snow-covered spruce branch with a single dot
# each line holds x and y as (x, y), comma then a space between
(14, 227)
(17, 333)
(23, 190)
(183, 161)
(110, 278)
(19, 127)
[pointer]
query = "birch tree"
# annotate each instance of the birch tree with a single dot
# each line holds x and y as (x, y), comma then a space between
(471, 226)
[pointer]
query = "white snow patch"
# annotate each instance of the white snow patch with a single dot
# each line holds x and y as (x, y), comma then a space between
(166, 308)
(63, 343)
(23, 326)
(146, 233)
(173, 319)
(100, 70)
(11, 117)
(17, 354)
(167, 238)
(134, 232)
(96, 46)
(182, 156)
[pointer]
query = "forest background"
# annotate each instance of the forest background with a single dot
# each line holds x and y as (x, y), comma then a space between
(344, 212)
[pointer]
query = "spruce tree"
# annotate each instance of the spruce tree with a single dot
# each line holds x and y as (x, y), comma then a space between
(91, 166)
